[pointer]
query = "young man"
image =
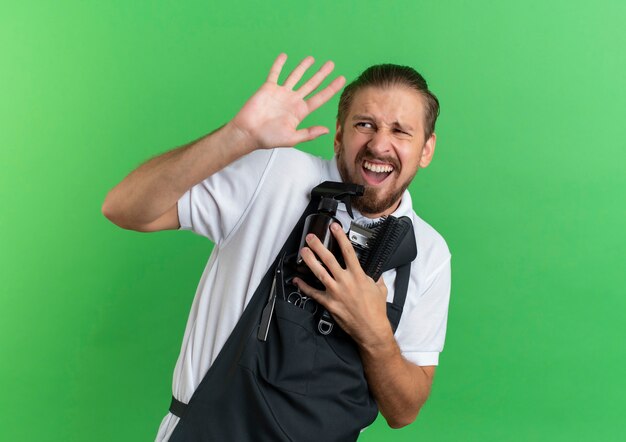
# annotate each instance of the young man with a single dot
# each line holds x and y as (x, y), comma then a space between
(237, 188)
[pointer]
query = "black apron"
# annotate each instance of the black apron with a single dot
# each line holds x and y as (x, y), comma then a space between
(298, 385)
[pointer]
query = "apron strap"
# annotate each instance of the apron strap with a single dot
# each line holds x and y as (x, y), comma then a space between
(394, 309)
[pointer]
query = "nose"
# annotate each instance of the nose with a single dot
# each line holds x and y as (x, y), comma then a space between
(380, 143)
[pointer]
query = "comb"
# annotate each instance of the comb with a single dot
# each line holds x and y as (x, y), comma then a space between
(385, 245)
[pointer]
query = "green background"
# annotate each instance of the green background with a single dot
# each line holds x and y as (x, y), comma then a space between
(527, 186)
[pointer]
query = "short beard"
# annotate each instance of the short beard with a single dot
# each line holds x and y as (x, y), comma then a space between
(371, 203)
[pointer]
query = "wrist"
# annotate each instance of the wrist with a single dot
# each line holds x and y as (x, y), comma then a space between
(379, 342)
(215, 151)
(239, 138)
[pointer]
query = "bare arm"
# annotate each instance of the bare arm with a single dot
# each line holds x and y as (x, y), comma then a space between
(146, 199)
(358, 304)
(399, 386)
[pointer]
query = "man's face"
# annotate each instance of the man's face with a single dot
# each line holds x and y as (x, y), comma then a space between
(381, 146)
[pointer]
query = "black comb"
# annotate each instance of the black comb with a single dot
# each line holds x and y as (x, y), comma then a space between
(391, 245)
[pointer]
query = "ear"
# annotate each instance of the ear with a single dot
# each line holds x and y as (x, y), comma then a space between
(428, 151)
(338, 136)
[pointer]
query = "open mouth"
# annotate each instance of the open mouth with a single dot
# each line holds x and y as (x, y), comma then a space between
(376, 173)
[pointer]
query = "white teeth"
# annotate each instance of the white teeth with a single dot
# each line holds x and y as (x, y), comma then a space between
(377, 167)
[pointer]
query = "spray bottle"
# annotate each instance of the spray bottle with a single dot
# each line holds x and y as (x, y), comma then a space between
(330, 194)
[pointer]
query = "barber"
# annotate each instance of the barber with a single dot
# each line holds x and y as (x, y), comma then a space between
(212, 186)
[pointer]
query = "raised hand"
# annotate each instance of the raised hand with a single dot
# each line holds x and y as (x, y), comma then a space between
(270, 118)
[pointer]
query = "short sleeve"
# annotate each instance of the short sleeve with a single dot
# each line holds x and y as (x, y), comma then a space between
(215, 206)
(422, 329)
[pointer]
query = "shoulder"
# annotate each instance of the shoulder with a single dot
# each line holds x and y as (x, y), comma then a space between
(287, 182)
(432, 249)
(292, 167)
(294, 161)
(429, 241)
(280, 166)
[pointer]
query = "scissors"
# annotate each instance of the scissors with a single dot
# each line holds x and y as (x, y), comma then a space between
(276, 290)
(304, 302)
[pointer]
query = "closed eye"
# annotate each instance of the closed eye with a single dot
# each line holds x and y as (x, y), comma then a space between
(402, 132)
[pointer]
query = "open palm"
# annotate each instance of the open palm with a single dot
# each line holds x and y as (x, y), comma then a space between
(270, 118)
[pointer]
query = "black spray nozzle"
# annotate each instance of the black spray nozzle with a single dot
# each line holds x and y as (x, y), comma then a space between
(339, 192)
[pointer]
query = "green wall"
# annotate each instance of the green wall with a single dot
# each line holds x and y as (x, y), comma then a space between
(527, 185)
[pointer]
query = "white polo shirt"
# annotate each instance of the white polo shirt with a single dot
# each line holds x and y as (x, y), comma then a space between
(248, 209)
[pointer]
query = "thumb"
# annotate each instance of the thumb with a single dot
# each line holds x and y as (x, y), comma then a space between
(310, 133)
(381, 285)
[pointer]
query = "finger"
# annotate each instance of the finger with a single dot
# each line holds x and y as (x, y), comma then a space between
(298, 72)
(324, 254)
(317, 268)
(381, 285)
(325, 94)
(316, 79)
(318, 296)
(349, 255)
(310, 133)
(276, 68)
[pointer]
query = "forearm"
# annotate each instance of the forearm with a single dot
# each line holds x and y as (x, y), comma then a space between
(399, 387)
(155, 186)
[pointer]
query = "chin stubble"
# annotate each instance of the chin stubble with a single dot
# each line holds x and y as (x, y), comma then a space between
(371, 202)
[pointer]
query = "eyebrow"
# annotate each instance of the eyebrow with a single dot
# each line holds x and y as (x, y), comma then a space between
(395, 123)
(362, 117)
